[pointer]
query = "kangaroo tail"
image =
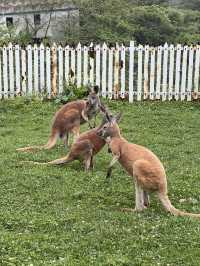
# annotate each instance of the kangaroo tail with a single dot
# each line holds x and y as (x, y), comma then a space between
(50, 144)
(170, 208)
(62, 160)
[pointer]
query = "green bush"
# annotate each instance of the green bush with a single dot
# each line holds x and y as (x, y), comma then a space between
(71, 92)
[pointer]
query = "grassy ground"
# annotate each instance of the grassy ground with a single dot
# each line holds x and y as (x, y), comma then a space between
(64, 216)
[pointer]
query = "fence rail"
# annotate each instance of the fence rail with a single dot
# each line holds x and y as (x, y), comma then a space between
(135, 72)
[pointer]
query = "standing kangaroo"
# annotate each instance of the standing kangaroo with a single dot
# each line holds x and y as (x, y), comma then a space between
(69, 118)
(85, 148)
(147, 170)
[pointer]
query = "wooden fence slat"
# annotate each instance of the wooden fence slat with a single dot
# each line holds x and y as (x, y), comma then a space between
(104, 70)
(67, 65)
(73, 66)
(30, 69)
(131, 70)
(152, 74)
(17, 70)
(42, 79)
(54, 69)
(190, 73)
(146, 72)
(116, 72)
(24, 73)
(139, 84)
(178, 67)
(79, 66)
(11, 70)
(91, 63)
(5, 72)
(48, 70)
(110, 73)
(123, 71)
(85, 66)
(196, 73)
(165, 72)
(171, 73)
(60, 69)
(36, 70)
(184, 73)
(158, 72)
(98, 65)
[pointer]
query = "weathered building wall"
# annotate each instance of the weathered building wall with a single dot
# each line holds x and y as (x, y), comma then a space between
(53, 24)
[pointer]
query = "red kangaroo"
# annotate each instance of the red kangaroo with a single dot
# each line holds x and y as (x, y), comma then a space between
(85, 148)
(147, 170)
(69, 118)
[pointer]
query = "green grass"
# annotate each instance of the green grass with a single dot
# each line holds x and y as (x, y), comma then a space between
(64, 216)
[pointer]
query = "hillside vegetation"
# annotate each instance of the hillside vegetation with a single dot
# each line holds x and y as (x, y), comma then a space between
(146, 22)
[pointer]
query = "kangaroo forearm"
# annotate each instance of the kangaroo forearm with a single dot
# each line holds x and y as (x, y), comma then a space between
(114, 160)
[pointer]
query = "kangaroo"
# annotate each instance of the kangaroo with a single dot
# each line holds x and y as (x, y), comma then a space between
(85, 148)
(69, 118)
(142, 164)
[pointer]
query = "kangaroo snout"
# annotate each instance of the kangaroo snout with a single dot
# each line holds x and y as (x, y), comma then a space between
(100, 133)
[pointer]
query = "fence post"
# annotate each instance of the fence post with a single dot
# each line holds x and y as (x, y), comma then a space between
(131, 70)
(116, 73)
(104, 70)
(54, 69)
(11, 69)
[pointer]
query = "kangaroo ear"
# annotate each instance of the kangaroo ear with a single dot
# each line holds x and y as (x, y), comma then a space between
(118, 117)
(96, 89)
(108, 116)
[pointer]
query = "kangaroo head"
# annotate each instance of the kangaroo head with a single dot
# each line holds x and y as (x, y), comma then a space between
(110, 128)
(93, 97)
(93, 102)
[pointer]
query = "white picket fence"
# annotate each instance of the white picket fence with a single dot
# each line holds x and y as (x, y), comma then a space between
(136, 73)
